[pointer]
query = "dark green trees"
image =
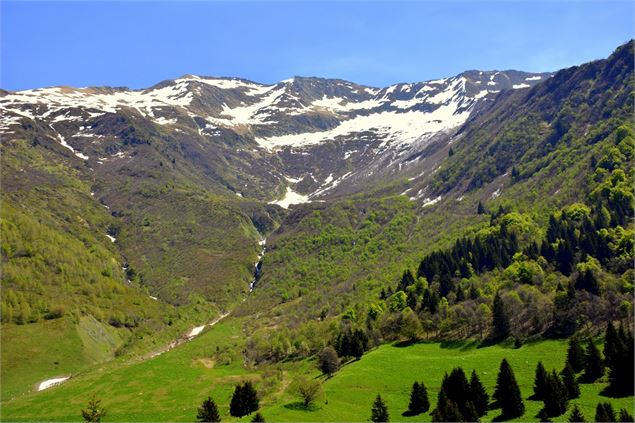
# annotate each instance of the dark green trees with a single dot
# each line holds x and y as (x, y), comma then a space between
(480, 398)
(379, 412)
(208, 411)
(575, 355)
(555, 396)
(459, 400)
(258, 418)
(619, 357)
(244, 400)
(500, 319)
(604, 412)
(625, 416)
(94, 412)
(570, 382)
(507, 393)
(593, 364)
(576, 415)
(419, 402)
(540, 382)
(351, 343)
(328, 361)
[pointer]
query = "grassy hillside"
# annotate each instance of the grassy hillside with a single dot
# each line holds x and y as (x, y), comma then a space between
(171, 386)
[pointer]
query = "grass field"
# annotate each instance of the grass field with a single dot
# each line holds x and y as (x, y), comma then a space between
(170, 387)
(390, 370)
(56, 347)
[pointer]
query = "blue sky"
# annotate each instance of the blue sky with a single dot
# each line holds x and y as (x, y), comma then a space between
(137, 44)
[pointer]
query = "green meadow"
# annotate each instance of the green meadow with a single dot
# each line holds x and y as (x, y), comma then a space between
(171, 386)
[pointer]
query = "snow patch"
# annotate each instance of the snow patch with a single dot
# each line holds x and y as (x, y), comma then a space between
(195, 331)
(428, 201)
(517, 86)
(291, 197)
(52, 382)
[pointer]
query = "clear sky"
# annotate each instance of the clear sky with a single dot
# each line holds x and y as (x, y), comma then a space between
(138, 44)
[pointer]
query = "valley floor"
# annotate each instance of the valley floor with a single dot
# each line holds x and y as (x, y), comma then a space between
(171, 386)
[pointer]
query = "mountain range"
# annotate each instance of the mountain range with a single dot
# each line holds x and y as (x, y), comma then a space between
(131, 216)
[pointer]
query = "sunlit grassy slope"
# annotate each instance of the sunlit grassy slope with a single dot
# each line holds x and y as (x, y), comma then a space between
(170, 387)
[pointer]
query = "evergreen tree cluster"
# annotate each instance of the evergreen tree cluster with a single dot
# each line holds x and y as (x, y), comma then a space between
(619, 358)
(351, 343)
(604, 412)
(469, 256)
(459, 400)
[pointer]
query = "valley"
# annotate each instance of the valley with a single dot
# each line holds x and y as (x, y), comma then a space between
(165, 244)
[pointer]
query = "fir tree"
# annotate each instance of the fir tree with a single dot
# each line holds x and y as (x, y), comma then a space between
(379, 412)
(576, 415)
(480, 209)
(610, 344)
(570, 382)
(604, 412)
(625, 416)
(555, 396)
(593, 365)
(507, 393)
(479, 395)
(458, 391)
(208, 411)
(94, 412)
(447, 410)
(575, 355)
(500, 319)
(244, 400)
(258, 418)
(419, 402)
(622, 359)
(540, 382)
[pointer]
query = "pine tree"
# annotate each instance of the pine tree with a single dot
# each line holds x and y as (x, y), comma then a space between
(622, 359)
(94, 412)
(610, 344)
(480, 209)
(540, 382)
(575, 355)
(244, 400)
(258, 418)
(500, 319)
(236, 407)
(576, 415)
(604, 412)
(208, 411)
(555, 396)
(479, 395)
(419, 402)
(447, 410)
(593, 365)
(458, 391)
(570, 382)
(507, 393)
(625, 416)
(379, 412)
